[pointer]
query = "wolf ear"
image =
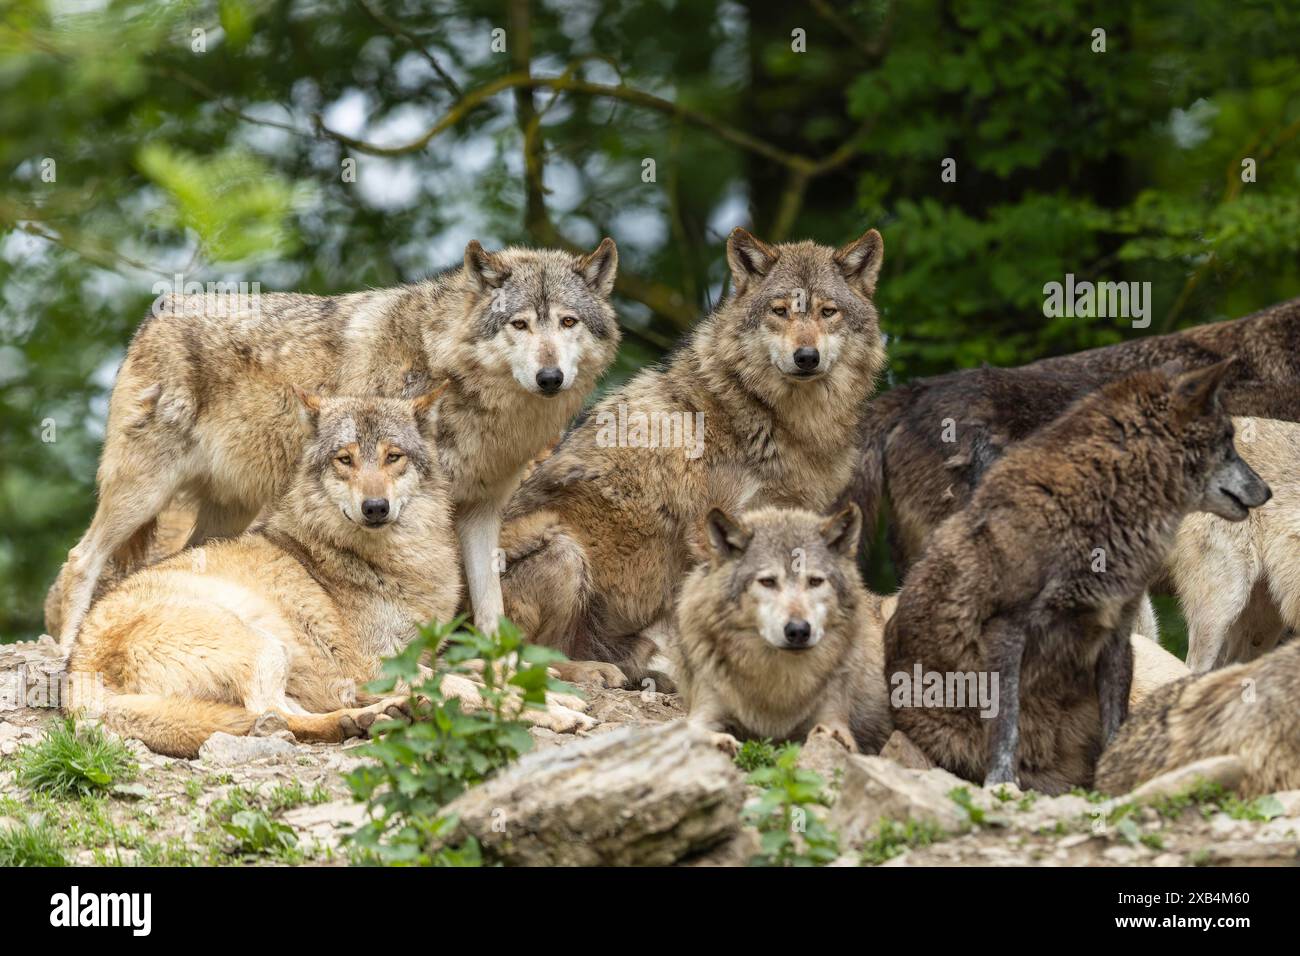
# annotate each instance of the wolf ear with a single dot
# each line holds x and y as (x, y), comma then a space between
(859, 262)
(841, 531)
(1197, 392)
(485, 269)
(748, 257)
(423, 405)
(309, 411)
(727, 537)
(598, 268)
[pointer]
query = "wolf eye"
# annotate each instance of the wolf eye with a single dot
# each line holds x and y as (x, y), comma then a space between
(568, 321)
(816, 582)
(828, 311)
(780, 311)
(394, 457)
(767, 582)
(344, 459)
(519, 324)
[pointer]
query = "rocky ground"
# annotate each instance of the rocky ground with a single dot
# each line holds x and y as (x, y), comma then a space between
(634, 789)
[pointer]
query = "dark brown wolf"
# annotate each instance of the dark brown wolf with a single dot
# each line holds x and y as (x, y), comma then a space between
(927, 444)
(1036, 583)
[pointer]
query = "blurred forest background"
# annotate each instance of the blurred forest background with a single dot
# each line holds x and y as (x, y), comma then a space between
(141, 138)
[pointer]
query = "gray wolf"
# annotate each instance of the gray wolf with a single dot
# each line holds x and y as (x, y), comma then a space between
(597, 536)
(776, 635)
(1039, 580)
(202, 406)
(927, 444)
(280, 627)
(1246, 710)
(1239, 582)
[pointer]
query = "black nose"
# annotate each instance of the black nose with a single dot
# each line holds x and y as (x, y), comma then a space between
(797, 632)
(550, 379)
(375, 509)
(806, 358)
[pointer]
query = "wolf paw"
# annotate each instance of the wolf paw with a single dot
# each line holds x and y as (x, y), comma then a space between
(728, 744)
(358, 721)
(589, 672)
(557, 718)
(839, 735)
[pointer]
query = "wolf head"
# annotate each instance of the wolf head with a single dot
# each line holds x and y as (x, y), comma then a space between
(802, 307)
(367, 457)
(785, 576)
(543, 316)
(1226, 485)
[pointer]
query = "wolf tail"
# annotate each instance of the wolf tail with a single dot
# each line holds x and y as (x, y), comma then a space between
(174, 726)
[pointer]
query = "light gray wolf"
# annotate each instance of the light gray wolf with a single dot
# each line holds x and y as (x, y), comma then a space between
(1039, 579)
(280, 627)
(777, 637)
(1239, 582)
(1245, 710)
(759, 405)
(202, 405)
(927, 444)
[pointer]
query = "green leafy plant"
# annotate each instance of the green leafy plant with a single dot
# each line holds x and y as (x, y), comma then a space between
(791, 832)
(72, 761)
(754, 755)
(962, 797)
(893, 839)
(256, 833)
(418, 768)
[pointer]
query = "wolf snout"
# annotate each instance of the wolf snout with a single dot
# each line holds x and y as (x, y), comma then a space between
(798, 632)
(375, 510)
(550, 379)
(806, 359)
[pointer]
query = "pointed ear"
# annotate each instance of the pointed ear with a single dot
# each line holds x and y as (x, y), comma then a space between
(424, 405)
(484, 269)
(1196, 392)
(748, 256)
(859, 262)
(727, 537)
(599, 268)
(841, 531)
(309, 412)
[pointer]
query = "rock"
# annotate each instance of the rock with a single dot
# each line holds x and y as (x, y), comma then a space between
(1250, 853)
(130, 791)
(327, 823)
(876, 789)
(638, 796)
(825, 757)
(226, 750)
(900, 749)
(1290, 801)
(1227, 771)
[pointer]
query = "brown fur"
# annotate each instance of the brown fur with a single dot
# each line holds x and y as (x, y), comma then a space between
(1011, 585)
(202, 406)
(597, 537)
(1247, 710)
(929, 471)
(737, 681)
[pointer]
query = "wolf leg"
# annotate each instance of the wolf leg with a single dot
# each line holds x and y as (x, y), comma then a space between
(219, 521)
(1006, 647)
(174, 726)
(479, 530)
(1114, 680)
(343, 724)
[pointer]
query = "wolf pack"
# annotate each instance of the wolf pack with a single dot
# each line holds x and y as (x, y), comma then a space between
(290, 489)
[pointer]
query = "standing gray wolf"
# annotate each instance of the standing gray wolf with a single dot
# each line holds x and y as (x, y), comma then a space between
(1038, 581)
(279, 627)
(202, 405)
(760, 404)
(927, 444)
(1247, 710)
(776, 635)
(1239, 583)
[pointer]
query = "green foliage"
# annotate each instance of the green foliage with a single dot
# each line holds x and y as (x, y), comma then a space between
(418, 768)
(893, 839)
(962, 797)
(755, 754)
(71, 761)
(791, 831)
(30, 844)
(257, 834)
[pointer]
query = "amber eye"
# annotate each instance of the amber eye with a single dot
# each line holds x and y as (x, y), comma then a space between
(767, 582)
(828, 311)
(519, 324)
(394, 457)
(780, 311)
(344, 460)
(568, 322)
(816, 582)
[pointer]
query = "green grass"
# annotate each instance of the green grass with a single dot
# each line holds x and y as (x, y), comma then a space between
(754, 755)
(26, 844)
(72, 762)
(894, 839)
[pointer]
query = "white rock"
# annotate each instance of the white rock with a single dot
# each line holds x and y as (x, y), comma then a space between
(226, 750)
